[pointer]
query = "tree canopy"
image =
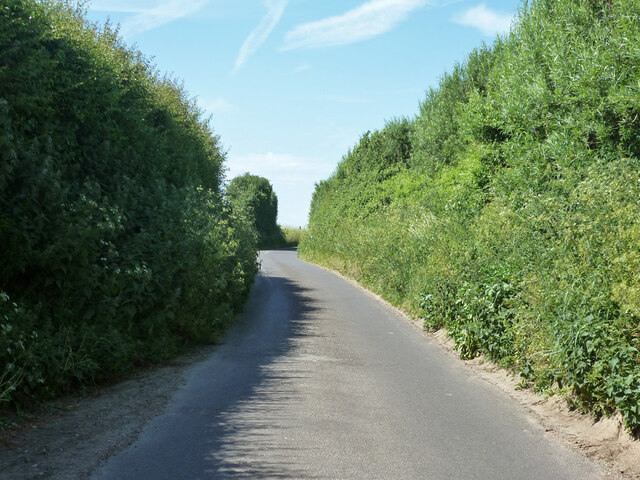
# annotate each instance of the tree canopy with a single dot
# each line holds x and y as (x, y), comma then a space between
(254, 196)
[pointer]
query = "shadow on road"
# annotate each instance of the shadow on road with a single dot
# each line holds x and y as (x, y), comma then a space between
(282, 249)
(248, 434)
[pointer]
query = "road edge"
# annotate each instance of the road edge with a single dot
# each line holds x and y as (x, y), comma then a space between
(603, 441)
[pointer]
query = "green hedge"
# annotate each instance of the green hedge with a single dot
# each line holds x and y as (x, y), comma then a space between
(254, 196)
(512, 218)
(118, 247)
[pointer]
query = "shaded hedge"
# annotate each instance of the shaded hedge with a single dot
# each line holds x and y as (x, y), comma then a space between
(118, 247)
(507, 210)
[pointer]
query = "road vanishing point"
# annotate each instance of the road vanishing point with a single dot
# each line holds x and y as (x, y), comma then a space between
(320, 380)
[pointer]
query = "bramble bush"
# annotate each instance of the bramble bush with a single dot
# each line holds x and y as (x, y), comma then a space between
(118, 245)
(508, 214)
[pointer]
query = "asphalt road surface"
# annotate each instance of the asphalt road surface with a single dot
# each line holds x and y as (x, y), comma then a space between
(320, 380)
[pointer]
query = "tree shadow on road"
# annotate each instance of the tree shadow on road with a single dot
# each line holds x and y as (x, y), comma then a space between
(252, 434)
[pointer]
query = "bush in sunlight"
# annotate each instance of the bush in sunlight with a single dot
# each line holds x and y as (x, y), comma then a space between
(293, 236)
(507, 210)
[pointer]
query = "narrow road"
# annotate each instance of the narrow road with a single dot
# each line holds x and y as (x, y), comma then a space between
(319, 380)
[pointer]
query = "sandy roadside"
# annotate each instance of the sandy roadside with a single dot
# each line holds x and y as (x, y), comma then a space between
(77, 435)
(604, 441)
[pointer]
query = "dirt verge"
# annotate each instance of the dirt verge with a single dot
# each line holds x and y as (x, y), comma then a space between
(605, 441)
(76, 435)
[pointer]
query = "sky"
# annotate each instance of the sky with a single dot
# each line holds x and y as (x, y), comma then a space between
(292, 85)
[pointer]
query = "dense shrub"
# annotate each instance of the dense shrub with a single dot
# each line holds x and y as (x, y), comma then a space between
(254, 197)
(118, 247)
(293, 235)
(513, 223)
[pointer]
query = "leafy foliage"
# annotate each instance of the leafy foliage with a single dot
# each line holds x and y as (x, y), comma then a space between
(293, 235)
(511, 216)
(254, 196)
(118, 247)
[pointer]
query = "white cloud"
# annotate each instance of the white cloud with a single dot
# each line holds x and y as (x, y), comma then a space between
(293, 178)
(259, 35)
(215, 106)
(148, 14)
(366, 21)
(487, 21)
(286, 167)
(347, 99)
(303, 67)
(122, 6)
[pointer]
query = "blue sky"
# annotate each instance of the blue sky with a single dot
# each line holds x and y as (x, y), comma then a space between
(292, 84)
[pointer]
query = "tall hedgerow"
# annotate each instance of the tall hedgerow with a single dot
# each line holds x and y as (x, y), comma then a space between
(118, 247)
(514, 224)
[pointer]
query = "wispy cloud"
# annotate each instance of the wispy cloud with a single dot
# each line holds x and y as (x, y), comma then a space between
(347, 100)
(269, 161)
(148, 14)
(259, 35)
(122, 6)
(487, 21)
(216, 106)
(303, 67)
(284, 169)
(369, 20)
(292, 176)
